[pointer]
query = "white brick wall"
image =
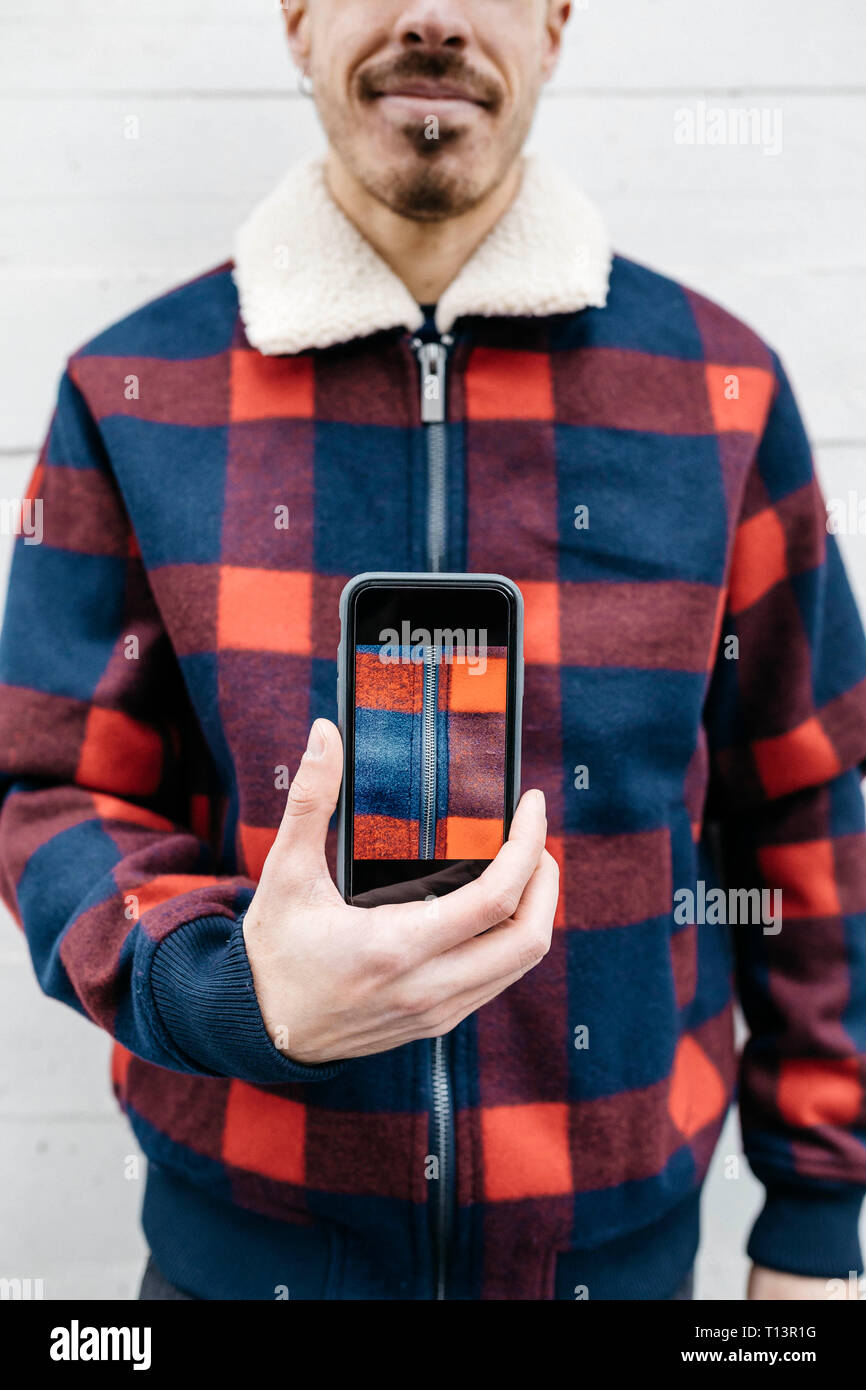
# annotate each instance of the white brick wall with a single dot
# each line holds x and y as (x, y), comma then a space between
(94, 223)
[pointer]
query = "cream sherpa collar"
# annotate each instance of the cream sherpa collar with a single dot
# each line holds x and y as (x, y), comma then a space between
(307, 278)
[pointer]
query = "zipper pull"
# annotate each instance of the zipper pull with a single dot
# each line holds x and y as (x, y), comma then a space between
(431, 359)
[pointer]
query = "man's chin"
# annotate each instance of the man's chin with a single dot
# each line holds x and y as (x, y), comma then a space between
(427, 198)
(427, 188)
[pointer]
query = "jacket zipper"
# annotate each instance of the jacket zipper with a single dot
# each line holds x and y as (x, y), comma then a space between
(432, 359)
(443, 1123)
(428, 754)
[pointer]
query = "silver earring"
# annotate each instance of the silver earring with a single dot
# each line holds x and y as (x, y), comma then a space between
(305, 84)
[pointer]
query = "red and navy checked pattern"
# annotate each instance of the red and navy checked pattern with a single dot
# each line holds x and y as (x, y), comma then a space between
(141, 795)
(473, 702)
(388, 755)
(470, 700)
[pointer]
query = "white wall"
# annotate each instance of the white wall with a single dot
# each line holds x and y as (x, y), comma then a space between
(94, 222)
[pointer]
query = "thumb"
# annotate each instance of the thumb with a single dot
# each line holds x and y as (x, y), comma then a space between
(310, 803)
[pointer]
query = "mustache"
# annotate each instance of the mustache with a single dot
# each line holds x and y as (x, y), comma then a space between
(436, 67)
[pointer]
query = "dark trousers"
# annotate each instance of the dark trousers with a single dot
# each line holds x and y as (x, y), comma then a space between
(154, 1286)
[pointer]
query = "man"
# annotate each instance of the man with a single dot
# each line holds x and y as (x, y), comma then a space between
(219, 464)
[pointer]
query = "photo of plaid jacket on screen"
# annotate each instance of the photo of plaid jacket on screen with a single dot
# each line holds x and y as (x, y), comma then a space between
(429, 753)
(694, 712)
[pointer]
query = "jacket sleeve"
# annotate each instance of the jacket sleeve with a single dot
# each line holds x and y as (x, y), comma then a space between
(786, 722)
(126, 915)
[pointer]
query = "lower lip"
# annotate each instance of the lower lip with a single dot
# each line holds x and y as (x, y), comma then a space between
(425, 105)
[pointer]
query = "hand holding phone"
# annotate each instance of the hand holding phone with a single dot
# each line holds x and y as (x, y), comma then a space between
(335, 981)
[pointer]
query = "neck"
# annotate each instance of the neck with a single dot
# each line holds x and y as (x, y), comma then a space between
(425, 255)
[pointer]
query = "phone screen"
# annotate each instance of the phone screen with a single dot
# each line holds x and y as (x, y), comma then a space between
(431, 756)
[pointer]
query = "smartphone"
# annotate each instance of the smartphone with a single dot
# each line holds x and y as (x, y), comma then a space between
(429, 699)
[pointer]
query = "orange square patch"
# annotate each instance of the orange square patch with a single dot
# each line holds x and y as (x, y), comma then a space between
(526, 1151)
(471, 691)
(503, 385)
(540, 622)
(759, 560)
(820, 1091)
(739, 397)
(264, 1133)
(797, 759)
(119, 754)
(697, 1093)
(265, 610)
(805, 872)
(472, 837)
(264, 388)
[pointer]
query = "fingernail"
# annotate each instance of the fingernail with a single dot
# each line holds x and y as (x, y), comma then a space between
(539, 796)
(316, 742)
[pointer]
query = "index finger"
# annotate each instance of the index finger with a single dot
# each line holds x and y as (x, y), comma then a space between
(487, 900)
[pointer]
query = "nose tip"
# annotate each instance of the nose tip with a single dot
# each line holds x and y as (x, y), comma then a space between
(415, 39)
(433, 25)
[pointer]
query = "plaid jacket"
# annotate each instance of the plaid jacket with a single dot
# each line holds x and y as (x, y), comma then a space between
(695, 711)
(470, 755)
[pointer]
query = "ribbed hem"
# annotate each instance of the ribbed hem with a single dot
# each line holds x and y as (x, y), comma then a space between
(652, 1262)
(203, 989)
(809, 1230)
(211, 1249)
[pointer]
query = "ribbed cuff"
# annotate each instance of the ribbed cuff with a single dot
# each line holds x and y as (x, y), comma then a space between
(203, 990)
(809, 1230)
